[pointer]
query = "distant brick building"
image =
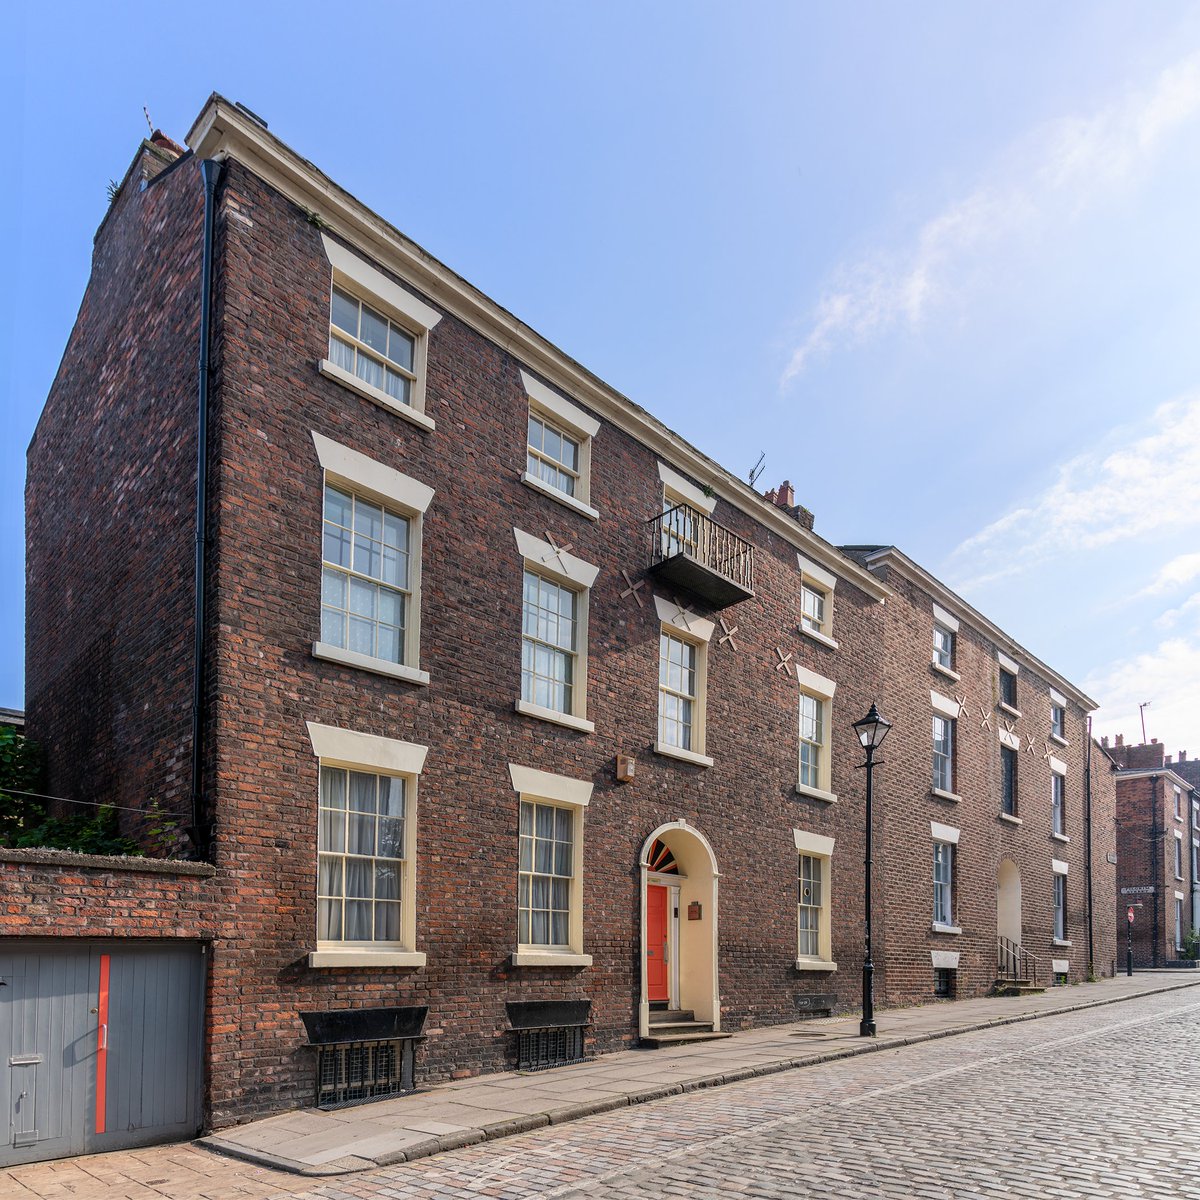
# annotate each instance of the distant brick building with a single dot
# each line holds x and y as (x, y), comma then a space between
(523, 727)
(1158, 850)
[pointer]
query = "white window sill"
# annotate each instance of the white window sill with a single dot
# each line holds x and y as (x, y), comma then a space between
(823, 638)
(815, 964)
(1008, 708)
(364, 662)
(540, 485)
(1061, 837)
(1059, 741)
(366, 958)
(949, 674)
(1061, 942)
(938, 927)
(687, 756)
(550, 958)
(802, 789)
(376, 395)
(554, 717)
(939, 794)
(1010, 818)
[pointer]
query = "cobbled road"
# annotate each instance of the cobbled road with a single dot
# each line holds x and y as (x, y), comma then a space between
(1094, 1104)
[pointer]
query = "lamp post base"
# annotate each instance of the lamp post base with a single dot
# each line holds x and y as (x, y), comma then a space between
(866, 1028)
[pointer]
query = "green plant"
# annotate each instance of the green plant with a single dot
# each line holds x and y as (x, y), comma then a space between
(113, 189)
(87, 833)
(1191, 943)
(20, 772)
(162, 833)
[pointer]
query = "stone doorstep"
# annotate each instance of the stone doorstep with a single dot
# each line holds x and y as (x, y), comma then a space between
(377, 1138)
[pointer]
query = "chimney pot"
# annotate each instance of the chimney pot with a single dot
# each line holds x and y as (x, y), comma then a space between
(1120, 739)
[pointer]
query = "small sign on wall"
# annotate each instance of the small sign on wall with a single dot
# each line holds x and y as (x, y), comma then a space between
(695, 912)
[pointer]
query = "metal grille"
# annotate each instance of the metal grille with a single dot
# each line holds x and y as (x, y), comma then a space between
(353, 1072)
(943, 982)
(538, 1049)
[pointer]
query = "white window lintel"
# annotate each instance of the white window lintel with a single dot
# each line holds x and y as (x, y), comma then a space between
(348, 746)
(544, 785)
(1011, 740)
(684, 488)
(944, 705)
(945, 619)
(698, 628)
(813, 843)
(818, 685)
(819, 575)
(1059, 867)
(1057, 766)
(360, 471)
(1009, 664)
(943, 833)
(1058, 698)
(554, 405)
(545, 557)
(364, 278)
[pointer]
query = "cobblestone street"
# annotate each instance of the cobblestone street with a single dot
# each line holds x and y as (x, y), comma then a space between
(1090, 1104)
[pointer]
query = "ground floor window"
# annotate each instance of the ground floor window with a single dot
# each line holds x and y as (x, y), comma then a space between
(943, 982)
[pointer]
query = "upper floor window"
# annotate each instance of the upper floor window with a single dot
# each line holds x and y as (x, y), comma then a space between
(943, 648)
(377, 335)
(1178, 803)
(365, 578)
(1196, 814)
(1058, 722)
(1178, 857)
(1060, 907)
(370, 563)
(943, 753)
(943, 883)
(1008, 688)
(1057, 785)
(682, 682)
(1008, 781)
(549, 644)
(555, 590)
(370, 346)
(816, 704)
(558, 447)
(812, 608)
(945, 641)
(553, 455)
(817, 589)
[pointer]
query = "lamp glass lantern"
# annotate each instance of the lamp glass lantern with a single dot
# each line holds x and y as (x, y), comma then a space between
(872, 729)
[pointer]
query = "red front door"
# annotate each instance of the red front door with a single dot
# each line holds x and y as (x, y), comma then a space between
(657, 987)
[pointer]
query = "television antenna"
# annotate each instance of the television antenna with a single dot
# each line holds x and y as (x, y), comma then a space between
(757, 469)
(1142, 713)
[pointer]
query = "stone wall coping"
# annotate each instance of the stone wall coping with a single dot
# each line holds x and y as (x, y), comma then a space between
(107, 862)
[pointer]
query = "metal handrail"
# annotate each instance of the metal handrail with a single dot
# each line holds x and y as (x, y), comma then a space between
(686, 530)
(1013, 961)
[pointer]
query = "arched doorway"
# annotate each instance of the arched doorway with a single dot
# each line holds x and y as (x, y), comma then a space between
(1008, 902)
(679, 924)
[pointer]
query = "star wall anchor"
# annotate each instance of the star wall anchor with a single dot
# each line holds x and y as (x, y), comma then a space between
(727, 635)
(557, 552)
(785, 661)
(632, 589)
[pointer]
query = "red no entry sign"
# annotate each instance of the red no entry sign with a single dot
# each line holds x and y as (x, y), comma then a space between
(1129, 915)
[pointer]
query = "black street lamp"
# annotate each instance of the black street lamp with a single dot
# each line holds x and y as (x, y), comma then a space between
(871, 730)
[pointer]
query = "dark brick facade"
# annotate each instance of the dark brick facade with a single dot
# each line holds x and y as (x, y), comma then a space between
(109, 695)
(1155, 810)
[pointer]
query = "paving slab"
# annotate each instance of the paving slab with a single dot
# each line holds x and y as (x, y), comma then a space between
(447, 1116)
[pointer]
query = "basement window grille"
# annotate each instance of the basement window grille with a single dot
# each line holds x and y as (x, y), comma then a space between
(355, 1072)
(538, 1049)
(943, 982)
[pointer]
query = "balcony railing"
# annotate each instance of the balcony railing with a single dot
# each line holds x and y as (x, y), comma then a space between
(688, 549)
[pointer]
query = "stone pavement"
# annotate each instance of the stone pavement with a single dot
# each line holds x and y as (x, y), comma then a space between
(448, 1116)
(194, 1172)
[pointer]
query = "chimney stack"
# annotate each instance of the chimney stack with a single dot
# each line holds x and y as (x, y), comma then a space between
(784, 496)
(1120, 739)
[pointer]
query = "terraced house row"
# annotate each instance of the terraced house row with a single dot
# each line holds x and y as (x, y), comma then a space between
(504, 726)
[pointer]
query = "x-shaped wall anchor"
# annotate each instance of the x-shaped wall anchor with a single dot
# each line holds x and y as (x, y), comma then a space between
(785, 661)
(986, 722)
(727, 634)
(1030, 748)
(633, 588)
(557, 551)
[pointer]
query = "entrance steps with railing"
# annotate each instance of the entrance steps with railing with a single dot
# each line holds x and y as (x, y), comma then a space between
(677, 1027)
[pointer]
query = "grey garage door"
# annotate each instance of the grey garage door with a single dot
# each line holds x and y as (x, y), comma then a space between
(100, 1045)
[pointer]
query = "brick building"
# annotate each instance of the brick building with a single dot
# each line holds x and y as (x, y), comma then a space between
(1158, 850)
(505, 724)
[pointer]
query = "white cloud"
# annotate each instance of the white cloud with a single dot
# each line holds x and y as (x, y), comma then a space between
(1175, 574)
(1040, 184)
(1173, 616)
(1169, 677)
(1101, 497)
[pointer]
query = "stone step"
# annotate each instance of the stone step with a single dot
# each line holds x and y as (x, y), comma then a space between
(663, 1027)
(1010, 987)
(670, 1016)
(657, 1041)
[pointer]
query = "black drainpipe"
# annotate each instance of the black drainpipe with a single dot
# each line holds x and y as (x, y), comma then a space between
(200, 830)
(1087, 833)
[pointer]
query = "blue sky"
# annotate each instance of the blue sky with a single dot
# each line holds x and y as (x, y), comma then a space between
(938, 260)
